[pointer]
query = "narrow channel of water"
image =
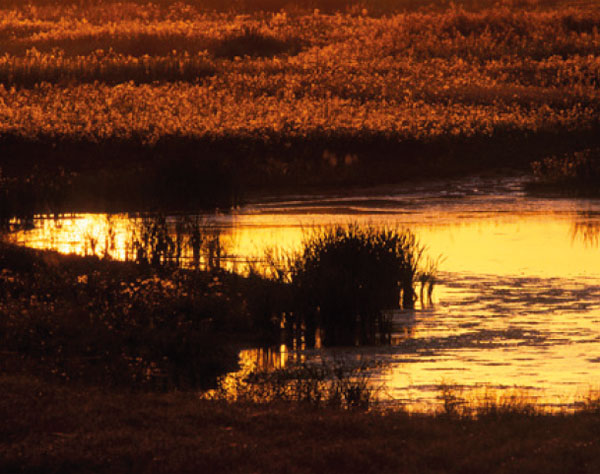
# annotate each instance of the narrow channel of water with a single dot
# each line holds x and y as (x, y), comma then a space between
(516, 306)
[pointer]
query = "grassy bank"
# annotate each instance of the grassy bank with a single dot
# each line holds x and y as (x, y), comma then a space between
(175, 105)
(49, 428)
(87, 320)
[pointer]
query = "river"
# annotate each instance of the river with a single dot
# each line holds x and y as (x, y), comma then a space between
(516, 307)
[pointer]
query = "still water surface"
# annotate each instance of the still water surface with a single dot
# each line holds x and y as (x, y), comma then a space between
(516, 306)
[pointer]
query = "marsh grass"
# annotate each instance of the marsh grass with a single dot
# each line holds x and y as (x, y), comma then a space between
(155, 184)
(172, 105)
(104, 67)
(486, 403)
(48, 426)
(180, 242)
(323, 383)
(573, 173)
(91, 320)
(344, 277)
(37, 192)
(253, 42)
(371, 7)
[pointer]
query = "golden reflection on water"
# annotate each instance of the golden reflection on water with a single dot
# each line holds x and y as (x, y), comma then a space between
(510, 249)
(82, 234)
(517, 245)
(530, 245)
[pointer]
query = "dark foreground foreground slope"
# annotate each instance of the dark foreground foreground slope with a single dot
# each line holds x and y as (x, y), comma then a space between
(47, 428)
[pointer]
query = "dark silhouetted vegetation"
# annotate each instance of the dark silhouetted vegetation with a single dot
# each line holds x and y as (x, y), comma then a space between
(92, 320)
(171, 106)
(336, 383)
(575, 173)
(149, 323)
(251, 42)
(47, 428)
(344, 278)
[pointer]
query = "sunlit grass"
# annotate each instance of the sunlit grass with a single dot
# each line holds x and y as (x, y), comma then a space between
(414, 75)
(284, 97)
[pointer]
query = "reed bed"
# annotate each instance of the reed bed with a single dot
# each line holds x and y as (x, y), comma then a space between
(575, 174)
(144, 326)
(414, 75)
(296, 96)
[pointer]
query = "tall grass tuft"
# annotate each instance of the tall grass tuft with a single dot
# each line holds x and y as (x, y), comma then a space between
(487, 404)
(252, 42)
(345, 276)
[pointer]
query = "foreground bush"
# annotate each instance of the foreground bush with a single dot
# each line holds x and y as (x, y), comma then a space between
(346, 276)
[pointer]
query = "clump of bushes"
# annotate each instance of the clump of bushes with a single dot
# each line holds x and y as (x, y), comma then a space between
(150, 324)
(577, 172)
(346, 276)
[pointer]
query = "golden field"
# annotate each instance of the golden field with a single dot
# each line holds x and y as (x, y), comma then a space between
(99, 101)
(146, 72)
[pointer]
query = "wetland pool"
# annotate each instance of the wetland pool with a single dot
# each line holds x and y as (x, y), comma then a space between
(516, 306)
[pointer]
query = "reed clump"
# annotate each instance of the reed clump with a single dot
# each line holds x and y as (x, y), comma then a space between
(344, 277)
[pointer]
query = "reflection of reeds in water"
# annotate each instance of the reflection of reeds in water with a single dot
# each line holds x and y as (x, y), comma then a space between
(333, 383)
(427, 277)
(186, 241)
(182, 241)
(586, 228)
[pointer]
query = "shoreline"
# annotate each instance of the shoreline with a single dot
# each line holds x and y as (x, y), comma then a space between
(50, 176)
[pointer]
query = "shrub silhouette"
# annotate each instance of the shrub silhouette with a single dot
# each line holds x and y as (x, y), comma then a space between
(345, 277)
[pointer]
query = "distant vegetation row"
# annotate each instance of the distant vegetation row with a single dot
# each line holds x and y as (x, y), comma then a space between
(375, 7)
(130, 98)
